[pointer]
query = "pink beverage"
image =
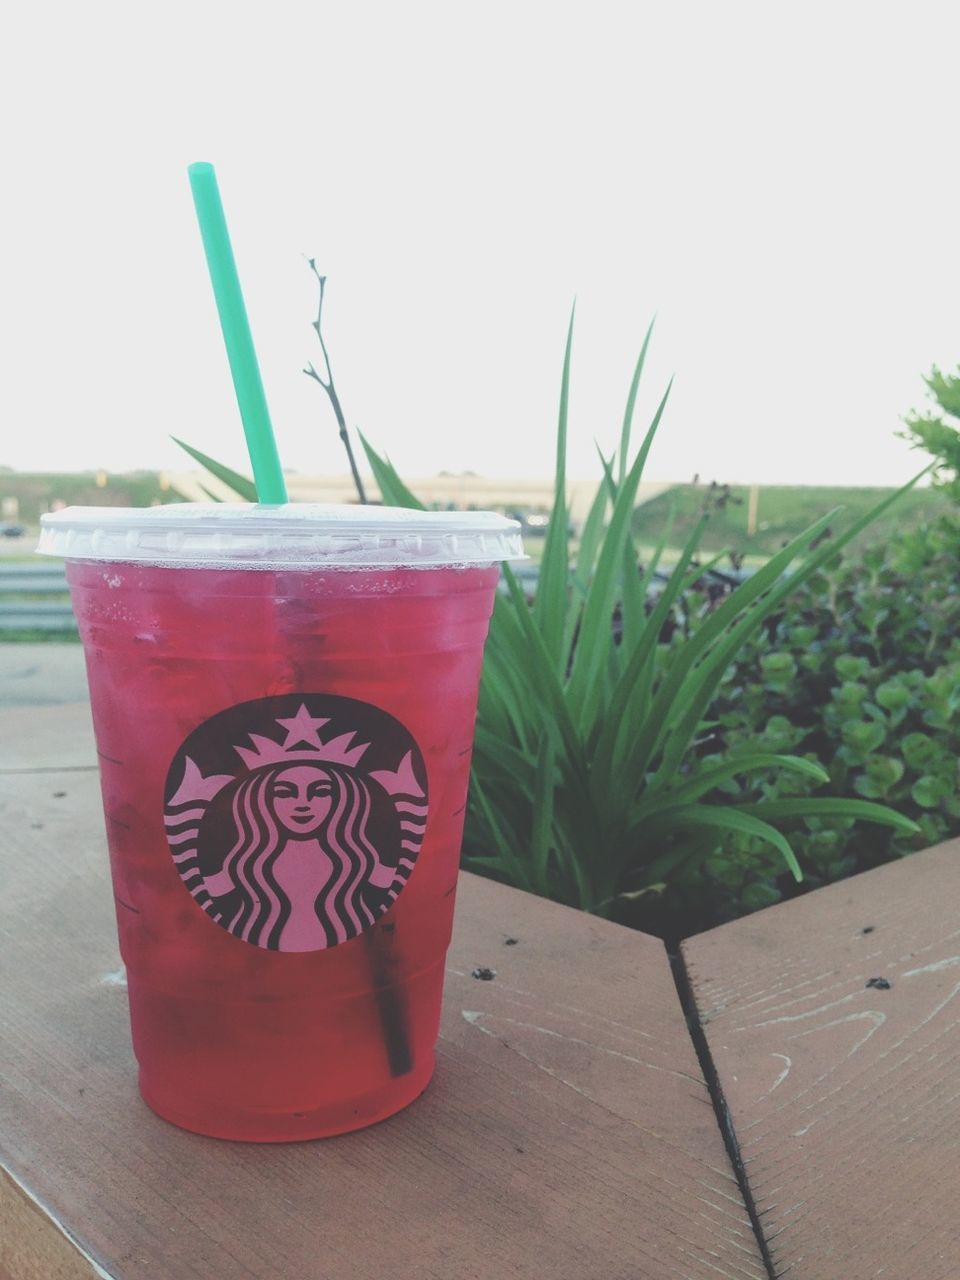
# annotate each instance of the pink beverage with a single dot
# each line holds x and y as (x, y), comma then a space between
(284, 701)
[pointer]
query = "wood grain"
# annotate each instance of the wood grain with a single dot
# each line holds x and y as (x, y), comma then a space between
(844, 1092)
(567, 1134)
(32, 1246)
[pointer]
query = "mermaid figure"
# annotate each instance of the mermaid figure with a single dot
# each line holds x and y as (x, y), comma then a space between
(302, 864)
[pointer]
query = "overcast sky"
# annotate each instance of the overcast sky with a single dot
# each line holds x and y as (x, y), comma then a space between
(776, 181)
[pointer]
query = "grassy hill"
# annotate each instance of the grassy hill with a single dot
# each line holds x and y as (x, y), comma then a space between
(36, 491)
(783, 511)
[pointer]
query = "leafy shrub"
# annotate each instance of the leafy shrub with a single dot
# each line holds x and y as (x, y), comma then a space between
(938, 432)
(859, 672)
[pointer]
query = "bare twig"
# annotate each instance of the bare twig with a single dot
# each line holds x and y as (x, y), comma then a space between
(328, 384)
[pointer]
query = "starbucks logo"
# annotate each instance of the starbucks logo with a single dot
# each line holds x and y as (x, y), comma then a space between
(296, 821)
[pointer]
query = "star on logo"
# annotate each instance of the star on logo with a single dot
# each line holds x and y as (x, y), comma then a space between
(303, 727)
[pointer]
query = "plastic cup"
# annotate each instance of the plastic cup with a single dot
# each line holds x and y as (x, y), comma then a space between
(284, 701)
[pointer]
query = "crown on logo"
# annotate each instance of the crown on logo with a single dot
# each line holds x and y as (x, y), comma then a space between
(303, 742)
(266, 751)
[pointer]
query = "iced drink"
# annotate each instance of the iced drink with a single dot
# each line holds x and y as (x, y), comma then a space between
(284, 702)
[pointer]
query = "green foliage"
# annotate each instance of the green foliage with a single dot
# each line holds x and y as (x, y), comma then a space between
(36, 491)
(33, 635)
(241, 485)
(867, 659)
(938, 432)
(591, 784)
(392, 489)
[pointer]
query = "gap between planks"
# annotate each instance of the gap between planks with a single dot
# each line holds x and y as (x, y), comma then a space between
(721, 1111)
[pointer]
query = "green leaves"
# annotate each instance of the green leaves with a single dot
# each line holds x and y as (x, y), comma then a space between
(879, 707)
(709, 779)
(596, 696)
(721, 820)
(920, 751)
(850, 668)
(550, 603)
(392, 489)
(894, 696)
(590, 781)
(830, 807)
(595, 639)
(929, 791)
(861, 738)
(778, 670)
(881, 774)
(936, 433)
(240, 485)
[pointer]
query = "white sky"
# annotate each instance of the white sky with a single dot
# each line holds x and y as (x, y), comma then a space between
(777, 181)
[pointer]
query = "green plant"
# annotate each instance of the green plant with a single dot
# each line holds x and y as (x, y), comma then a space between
(242, 486)
(866, 659)
(588, 781)
(938, 432)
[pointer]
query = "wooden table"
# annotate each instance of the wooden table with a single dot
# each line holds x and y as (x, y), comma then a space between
(569, 1131)
(834, 1025)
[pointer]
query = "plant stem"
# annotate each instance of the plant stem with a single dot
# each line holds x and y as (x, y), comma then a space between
(330, 387)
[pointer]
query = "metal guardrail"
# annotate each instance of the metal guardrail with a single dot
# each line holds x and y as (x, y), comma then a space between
(18, 614)
(37, 580)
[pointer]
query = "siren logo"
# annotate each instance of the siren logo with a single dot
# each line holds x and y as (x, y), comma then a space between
(295, 821)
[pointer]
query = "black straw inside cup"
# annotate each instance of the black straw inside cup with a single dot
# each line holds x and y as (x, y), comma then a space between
(286, 639)
(389, 1002)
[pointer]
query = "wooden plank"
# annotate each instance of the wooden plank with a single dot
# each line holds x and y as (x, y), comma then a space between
(567, 1134)
(32, 1246)
(844, 1090)
(54, 737)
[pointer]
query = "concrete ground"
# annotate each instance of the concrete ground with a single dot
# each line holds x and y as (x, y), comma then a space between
(41, 674)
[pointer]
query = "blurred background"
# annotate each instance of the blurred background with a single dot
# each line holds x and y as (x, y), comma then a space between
(775, 182)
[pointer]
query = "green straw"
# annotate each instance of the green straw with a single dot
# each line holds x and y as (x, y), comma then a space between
(247, 383)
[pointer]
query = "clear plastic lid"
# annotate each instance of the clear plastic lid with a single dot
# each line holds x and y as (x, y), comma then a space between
(227, 535)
